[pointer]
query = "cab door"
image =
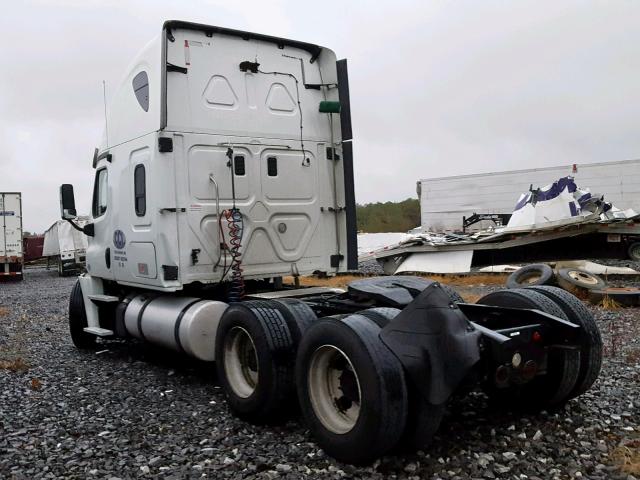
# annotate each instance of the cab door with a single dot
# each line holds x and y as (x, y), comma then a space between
(100, 250)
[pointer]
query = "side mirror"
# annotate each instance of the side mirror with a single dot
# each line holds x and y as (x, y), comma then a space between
(67, 202)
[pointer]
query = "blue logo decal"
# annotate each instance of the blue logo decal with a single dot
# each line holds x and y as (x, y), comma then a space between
(119, 240)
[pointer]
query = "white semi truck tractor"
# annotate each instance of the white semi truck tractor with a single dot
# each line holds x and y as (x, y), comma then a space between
(226, 165)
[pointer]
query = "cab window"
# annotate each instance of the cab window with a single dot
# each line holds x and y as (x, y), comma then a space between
(140, 190)
(141, 89)
(100, 193)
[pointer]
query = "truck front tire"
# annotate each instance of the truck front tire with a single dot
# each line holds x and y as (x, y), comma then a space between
(78, 320)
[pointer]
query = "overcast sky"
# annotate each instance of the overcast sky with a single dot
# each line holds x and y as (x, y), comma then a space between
(437, 88)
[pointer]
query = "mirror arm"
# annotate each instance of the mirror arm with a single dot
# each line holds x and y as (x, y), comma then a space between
(87, 229)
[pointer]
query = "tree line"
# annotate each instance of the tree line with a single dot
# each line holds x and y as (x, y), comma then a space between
(388, 216)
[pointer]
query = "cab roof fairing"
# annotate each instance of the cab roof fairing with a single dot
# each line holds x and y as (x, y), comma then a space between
(314, 50)
(126, 119)
(324, 57)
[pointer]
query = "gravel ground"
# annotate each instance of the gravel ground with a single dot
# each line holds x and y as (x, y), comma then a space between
(370, 267)
(130, 411)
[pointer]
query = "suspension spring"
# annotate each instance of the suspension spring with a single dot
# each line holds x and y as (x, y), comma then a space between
(235, 226)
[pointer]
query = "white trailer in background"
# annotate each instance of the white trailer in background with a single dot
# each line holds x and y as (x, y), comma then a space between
(66, 247)
(11, 255)
(444, 201)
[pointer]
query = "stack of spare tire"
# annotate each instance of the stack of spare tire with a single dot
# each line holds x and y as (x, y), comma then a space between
(580, 282)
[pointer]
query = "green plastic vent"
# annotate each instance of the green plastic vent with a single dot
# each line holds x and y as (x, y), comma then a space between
(329, 107)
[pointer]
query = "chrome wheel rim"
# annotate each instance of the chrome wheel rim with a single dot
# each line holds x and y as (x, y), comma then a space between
(334, 389)
(241, 362)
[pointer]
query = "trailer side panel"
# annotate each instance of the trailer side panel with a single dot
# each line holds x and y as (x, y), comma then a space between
(11, 248)
(444, 201)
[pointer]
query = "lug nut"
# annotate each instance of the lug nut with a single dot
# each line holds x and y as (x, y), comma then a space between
(516, 360)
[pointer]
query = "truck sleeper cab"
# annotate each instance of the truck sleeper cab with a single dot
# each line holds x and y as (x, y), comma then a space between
(208, 120)
(228, 165)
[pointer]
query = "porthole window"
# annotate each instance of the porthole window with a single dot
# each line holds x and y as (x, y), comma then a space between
(141, 89)
(140, 190)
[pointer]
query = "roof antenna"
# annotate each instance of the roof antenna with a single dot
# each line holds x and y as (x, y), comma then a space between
(104, 99)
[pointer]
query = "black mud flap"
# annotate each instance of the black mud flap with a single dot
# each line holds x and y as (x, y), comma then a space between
(435, 342)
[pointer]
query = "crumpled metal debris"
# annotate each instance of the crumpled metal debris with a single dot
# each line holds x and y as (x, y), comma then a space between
(561, 203)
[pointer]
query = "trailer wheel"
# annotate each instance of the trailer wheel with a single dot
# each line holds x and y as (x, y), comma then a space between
(555, 387)
(534, 274)
(254, 361)
(623, 296)
(423, 418)
(297, 314)
(78, 320)
(634, 251)
(351, 389)
(578, 281)
(590, 339)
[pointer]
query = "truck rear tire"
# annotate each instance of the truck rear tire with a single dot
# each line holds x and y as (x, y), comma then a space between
(351, 389)
(381, 316)
(423, 418)
(255, 357)
(590, 339)
(555, 387)
(297, 314)
(78, 320)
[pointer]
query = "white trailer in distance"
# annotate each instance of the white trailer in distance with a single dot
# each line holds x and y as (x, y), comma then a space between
(445, 201)
(228, 165)
(66, 246)
(11, 254)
